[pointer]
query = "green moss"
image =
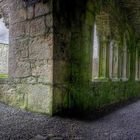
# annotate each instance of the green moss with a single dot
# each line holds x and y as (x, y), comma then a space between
(102, 94)
(81, 93)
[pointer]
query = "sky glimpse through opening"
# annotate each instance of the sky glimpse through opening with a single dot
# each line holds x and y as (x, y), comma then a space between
(4, 32)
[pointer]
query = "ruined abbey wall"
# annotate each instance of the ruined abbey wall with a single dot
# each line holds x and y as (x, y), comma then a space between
(30, 57)
(75, 89)
(50, 56)
(4, 58)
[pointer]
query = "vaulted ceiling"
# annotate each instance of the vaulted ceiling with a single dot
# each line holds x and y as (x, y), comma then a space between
(132, 7)
(133, 13)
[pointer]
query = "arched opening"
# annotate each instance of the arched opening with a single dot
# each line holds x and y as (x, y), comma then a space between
(111, 58)
(4, 48)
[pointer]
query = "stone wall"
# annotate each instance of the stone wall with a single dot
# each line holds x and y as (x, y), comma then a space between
(50, 58)
(30, 57)
(4, 58)
(72, 60)
(74, 88)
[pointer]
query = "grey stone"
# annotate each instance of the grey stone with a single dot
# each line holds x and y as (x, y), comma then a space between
(40, 98)
(19, 30)
(29, 80)
(49, 20)
(37, 26)
(30, 12)
(42, 9)
(19, 49)
(39, 137)
(4, 58)
(19, 13)
(43, 69)
(41, 48)
(22, 69)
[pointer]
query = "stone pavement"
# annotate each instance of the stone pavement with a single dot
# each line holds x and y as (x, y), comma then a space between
(123, 124)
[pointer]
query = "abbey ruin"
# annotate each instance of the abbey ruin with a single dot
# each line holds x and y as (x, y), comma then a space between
(70, 54)
(4, 58)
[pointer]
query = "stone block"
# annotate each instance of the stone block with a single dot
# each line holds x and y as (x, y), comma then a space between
(19, 30)
(19, 49)
(11, 67)
(40, 98)
(19, 13)
(14, 80)
(30, 12)
(16, 5)
(61, 72)
(36, 98)
(18, 53)
(41, 48)
(22, 69)
(13, 95)
(49, 20)
(42, 9)
(29, 80)
(46, 79)
(37, 27)
(43, 69)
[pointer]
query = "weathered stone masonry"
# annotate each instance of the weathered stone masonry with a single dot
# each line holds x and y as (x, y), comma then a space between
(4, 58)
(50, 58)
(73, 50)
(30, 57)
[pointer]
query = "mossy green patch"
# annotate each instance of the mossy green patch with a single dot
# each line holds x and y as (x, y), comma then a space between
(3, 75)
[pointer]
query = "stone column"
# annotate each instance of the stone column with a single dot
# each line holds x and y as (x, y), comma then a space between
(115, 62)
(103, 60)
(111, 60)
(137, 65)
(31, 56)
(125, 64)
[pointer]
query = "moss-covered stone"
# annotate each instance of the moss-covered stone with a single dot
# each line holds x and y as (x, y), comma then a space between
(82, 93)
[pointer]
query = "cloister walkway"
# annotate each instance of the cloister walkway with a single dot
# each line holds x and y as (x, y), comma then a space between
(123, 124)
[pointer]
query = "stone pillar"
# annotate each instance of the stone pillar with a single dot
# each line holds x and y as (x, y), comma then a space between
(128, 65)
(31, 56)
(103, 60)
(111, 60)
(137, 65)
(124, 75)
(115, 62)
(124, 71)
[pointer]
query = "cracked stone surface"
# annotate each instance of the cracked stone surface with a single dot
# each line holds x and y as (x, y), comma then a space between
(123, 124)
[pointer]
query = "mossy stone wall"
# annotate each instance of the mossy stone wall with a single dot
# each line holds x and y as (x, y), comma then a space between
(50, 56)
(73, 22)
(30, 81)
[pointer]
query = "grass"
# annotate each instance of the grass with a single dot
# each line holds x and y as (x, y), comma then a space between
(3, 75)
